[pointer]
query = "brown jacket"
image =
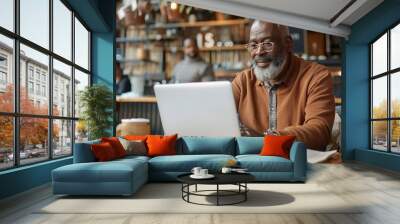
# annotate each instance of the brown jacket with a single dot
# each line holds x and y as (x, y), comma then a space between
(305, 103)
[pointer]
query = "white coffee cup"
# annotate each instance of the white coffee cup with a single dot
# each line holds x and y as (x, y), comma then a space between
(203, 172)
(226, 170)
(196, 170)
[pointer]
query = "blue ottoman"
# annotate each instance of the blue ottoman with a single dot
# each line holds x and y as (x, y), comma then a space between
(118, 177)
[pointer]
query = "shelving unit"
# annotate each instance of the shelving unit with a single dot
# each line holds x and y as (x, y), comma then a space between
(232, 22)
(167, 49)
(164, 40)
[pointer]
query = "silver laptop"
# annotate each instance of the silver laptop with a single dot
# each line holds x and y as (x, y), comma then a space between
(198, 109)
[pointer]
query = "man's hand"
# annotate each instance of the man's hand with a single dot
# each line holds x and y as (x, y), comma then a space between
(244, 131)
(271, 132)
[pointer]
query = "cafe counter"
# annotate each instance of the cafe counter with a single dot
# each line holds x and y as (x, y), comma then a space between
(140, 107)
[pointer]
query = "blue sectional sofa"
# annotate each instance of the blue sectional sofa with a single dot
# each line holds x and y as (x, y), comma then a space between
(125, 176)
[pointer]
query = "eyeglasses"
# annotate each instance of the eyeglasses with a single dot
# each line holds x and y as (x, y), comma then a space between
(266, 46)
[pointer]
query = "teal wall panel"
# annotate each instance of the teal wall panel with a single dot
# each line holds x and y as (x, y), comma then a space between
(24, 178)
(356, 127)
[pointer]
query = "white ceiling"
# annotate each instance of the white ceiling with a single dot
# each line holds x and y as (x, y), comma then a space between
(321, 9)
(315, 15)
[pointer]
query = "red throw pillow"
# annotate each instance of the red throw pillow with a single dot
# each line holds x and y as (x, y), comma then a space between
(277, 145)
(161, 145)
(135, 137)
(116, 145)
(103, 151)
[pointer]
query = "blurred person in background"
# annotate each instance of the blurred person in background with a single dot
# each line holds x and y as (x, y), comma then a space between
(192, 68)
(122, 81)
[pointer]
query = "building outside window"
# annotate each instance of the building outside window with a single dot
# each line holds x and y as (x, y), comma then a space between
(3, 61)
(57, 127)
(3, 78)
(3, 72)
(44, 77)
(37, 74)
(385, 94)
(30, 87)
(38, 89)
(43, 90)
(30, 72)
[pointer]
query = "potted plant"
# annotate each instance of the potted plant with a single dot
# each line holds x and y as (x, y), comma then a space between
(96, 102)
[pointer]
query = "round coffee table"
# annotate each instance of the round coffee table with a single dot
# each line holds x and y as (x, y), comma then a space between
(238, 179)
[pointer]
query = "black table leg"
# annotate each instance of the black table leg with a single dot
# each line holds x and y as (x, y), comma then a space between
(245, 193)
(188, 190)
(196, 188)
(217, 194)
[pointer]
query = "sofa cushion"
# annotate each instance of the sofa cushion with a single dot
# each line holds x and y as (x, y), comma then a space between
(103, 152)
(277, 145)
(206, 145)
(249, 145)
(134, 147)
(185, 163)
(159, 145)
(112, 171)
(135, 137)
(257, 163)
(131, 158)
(83, 152)
(116, 145)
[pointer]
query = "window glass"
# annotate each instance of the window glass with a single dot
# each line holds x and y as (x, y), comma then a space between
(62, 138)
(395, 95)
(62, 29)
(33, 139)
(81, 81)
(81, 131)
(34, 21)
(7, 14)
(395, 47)
(62, 91)
(39, 62)
(395, 138)
(379, 98)
(6, 74)
(379, 135)
(6, 142)
(81, 45)
(379, 56)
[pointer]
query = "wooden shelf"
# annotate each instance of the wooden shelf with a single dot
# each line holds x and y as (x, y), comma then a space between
(137, 62)
(233, 48)
(143, 40)
(139, 99)
(237, 47)
(232, 22)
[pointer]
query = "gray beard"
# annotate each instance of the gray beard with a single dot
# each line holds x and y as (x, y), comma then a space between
(271, 72)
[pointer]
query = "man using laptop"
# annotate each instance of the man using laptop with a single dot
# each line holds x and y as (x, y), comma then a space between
(282, 94)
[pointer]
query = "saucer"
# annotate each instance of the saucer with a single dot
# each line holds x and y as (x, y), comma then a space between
(208, 176)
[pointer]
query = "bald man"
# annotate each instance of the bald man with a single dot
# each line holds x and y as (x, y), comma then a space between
(282, 94)
(192, 68)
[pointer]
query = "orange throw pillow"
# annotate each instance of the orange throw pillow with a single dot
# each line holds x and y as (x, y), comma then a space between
(161, 145)
(277, 145)
(103, 152)
(135, 137)
(116, 145)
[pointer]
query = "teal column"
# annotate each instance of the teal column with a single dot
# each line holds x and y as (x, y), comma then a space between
(103, 50)
(103, 62)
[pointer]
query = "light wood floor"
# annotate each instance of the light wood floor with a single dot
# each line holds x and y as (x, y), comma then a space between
(377, 188)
